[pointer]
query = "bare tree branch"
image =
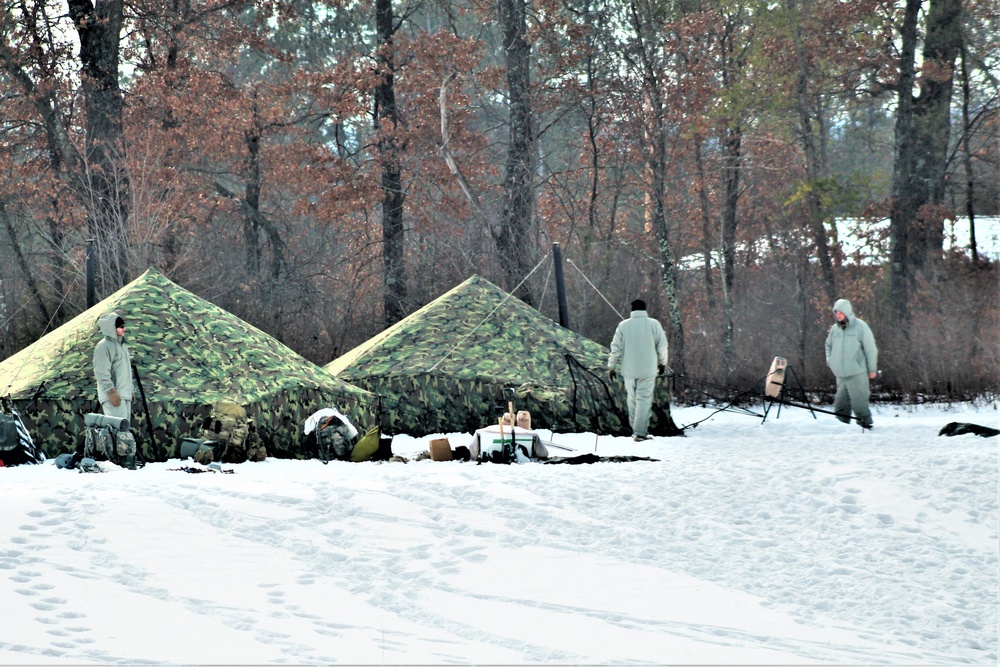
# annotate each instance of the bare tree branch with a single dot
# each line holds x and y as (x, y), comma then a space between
(453, 165)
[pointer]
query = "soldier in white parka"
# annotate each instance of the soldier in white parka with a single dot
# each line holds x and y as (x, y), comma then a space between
(113, 367)
(852, 356)
(640, 346)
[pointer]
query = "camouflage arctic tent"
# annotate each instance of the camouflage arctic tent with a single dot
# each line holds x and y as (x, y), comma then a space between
(189, 354)
(444, 369)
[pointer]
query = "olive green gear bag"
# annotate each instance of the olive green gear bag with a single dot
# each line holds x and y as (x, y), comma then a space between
(231, 434)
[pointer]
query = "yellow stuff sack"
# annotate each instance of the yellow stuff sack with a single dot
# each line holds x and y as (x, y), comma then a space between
(366, 446)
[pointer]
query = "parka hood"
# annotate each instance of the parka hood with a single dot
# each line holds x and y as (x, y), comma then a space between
(106, 324)
(844, 306)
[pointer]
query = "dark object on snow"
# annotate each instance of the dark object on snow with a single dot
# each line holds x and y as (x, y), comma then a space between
(68, 460)
(214, 467)
(16, 445)
(594, 458)
(956, 428)
(77, 461)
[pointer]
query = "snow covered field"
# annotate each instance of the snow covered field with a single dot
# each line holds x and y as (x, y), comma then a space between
(793, 541)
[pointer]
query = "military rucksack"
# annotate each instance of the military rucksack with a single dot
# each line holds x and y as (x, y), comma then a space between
(231, 435)
(109, 439)
(334, 439)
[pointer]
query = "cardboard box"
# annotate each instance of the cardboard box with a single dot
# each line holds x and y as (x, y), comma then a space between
(440, 449)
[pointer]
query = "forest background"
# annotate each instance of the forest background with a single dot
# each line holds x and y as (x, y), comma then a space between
(322, 169)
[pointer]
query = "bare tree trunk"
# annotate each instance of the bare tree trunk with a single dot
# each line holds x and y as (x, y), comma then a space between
(593, 122)
(706, 221)
(732, 63)
(668, 270)
(595, 163)
(970, 209)
(653, 91)
(57, 258)
(922, 130)
(805, 312)
(732, 146)
(387, 122)
(99, 27)
(255, 220)
(518, 212)
(814, 169)
(22, 262)
(942, 45)
(178, 13)
(905, 198)
(64, 161)
(251, 199)
(482, 212)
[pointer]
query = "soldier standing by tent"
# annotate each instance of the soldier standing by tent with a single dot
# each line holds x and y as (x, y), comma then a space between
(852, 356)
(641, 346)
(113, 367)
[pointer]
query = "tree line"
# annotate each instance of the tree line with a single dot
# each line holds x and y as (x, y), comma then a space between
(322, 169)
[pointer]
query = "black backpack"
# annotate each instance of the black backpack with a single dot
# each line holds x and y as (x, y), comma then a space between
(16, 445)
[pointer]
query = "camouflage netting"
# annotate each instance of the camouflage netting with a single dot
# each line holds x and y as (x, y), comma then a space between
(444, 369)
(189, 354)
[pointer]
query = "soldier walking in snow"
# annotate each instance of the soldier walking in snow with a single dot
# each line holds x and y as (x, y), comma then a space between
(641, 346)
(852, 356)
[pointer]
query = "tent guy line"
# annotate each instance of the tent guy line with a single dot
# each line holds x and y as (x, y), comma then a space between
(483, 321)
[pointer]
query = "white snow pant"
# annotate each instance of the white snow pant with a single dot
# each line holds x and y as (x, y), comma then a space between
(640, 402)
(853, 394)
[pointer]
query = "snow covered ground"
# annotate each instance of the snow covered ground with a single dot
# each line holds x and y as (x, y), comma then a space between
(867, 242)
(798, 540)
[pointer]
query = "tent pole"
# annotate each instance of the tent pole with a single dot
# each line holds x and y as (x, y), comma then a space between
(560, 287)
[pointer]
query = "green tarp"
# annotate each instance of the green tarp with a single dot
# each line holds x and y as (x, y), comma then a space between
(444, 369)
(189, 353)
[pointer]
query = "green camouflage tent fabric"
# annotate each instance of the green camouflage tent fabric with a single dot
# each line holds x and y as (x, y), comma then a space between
(445, 368)
(189, 354)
